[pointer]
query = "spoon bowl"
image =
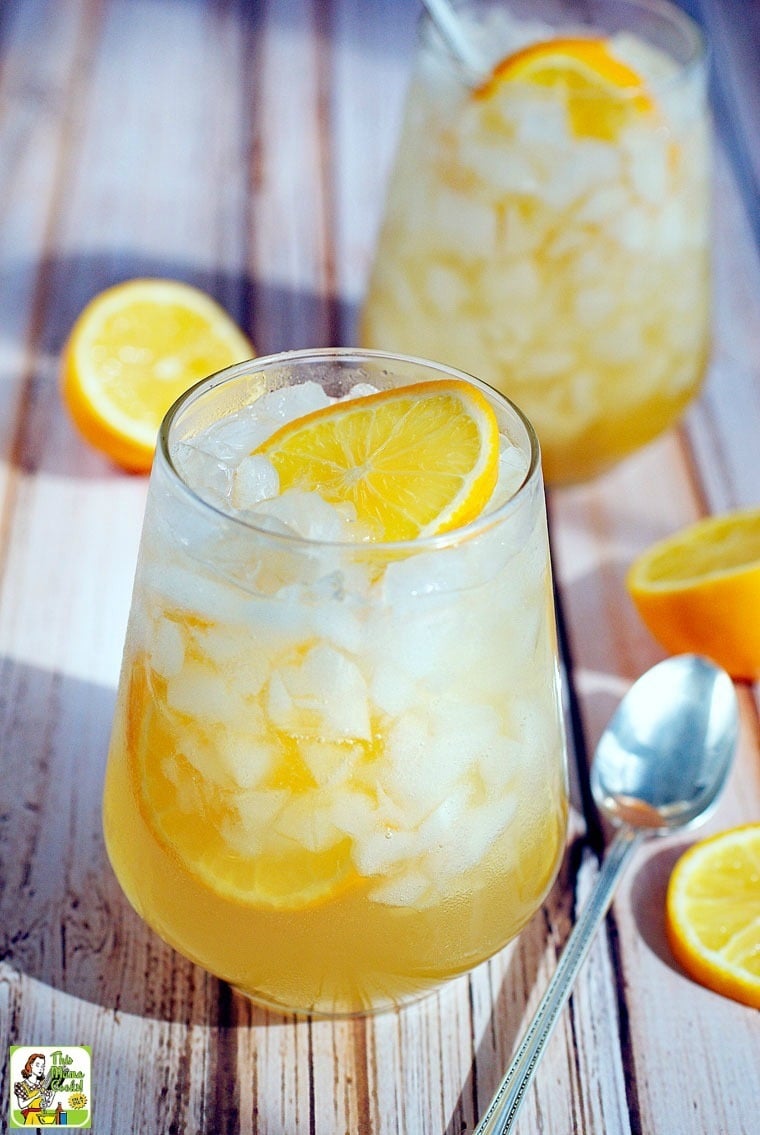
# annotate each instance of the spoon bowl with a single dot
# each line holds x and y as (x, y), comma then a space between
(666, 752)
(660, 764)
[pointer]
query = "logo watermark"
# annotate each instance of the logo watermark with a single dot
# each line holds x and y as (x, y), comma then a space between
(50, 1086)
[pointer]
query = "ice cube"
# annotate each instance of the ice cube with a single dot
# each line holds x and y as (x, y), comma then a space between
(237, 435)
(650, 175)
(167, 648)
(414, 781)
(392, 688)
(547, 364)
(383, 849)
(254, 480)
(247, 756)
(603, 206)
(306, 821)
(203, 470)
(406, 889)
(637, 230)
(446, 288)
(513, 467)
(198, 691)
(276, 409)
(190, 590)
(230, 758)
(675, 230)
(540, 121)
(505, 170)
(335, 614)
(523, 234)
(518, 282)
(236, 655)
(360, 390)
(500, 763)
(433, 590)
(418, 635)
(356, 813)
(593, 305)
(247, 829)
(477, 829)
(304, 514)
(330, 764)
(441, 830)
(620, 342)
(324, 696)
(190, 792)
(590, 165)
(233, 436)
(275, 627)
(463, 734)
(464, 225)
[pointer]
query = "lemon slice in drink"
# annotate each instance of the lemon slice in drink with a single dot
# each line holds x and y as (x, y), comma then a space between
(601, 90)
(415, 461)
(713, 913)
(699, 590)
(133, 350)
(188, 815)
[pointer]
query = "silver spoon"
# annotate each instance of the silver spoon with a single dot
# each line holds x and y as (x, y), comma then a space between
(660, 764)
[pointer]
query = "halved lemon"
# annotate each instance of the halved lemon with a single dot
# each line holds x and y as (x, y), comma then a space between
(133, 350)
(601, 90)
(698, 591)
(713, 913)
(188, 815)
(414, 461)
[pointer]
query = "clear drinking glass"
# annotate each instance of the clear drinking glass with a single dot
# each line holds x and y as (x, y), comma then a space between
(337, 772)
(552, 237)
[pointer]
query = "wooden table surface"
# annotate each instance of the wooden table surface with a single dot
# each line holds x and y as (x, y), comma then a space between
(244, 147)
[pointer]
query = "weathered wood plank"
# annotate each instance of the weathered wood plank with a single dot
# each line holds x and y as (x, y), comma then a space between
(719, 425)
(597, 530)
(370, 52)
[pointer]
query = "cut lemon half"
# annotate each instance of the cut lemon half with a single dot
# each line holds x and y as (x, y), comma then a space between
(601, 90)
(133, 350)
(698, 591)
(414, 461)
(713, 913)
(189, 816)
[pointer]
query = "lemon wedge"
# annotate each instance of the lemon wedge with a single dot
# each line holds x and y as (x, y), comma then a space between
(414, 461)
(601, 91)
(713, 913)
(698, 590)
(133, 350)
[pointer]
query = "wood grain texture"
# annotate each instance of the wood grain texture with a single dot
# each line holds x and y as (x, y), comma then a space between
(244, 147)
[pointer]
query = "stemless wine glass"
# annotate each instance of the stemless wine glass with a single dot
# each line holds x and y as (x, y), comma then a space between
(337, 773)
(547, 229)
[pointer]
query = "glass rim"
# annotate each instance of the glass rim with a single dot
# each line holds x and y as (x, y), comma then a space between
(697, 48)
(455, 536)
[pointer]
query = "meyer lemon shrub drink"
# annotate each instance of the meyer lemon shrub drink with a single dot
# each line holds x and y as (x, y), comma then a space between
(547, 220)
(337, 773)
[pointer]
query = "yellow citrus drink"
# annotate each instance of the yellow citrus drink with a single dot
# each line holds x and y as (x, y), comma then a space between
(547, 226)
(337, 772)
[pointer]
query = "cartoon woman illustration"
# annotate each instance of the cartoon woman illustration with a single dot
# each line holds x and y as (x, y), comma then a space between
(32, 1090)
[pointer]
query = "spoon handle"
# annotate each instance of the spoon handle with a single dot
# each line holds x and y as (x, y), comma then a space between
(449, 24)
(503, 1108)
